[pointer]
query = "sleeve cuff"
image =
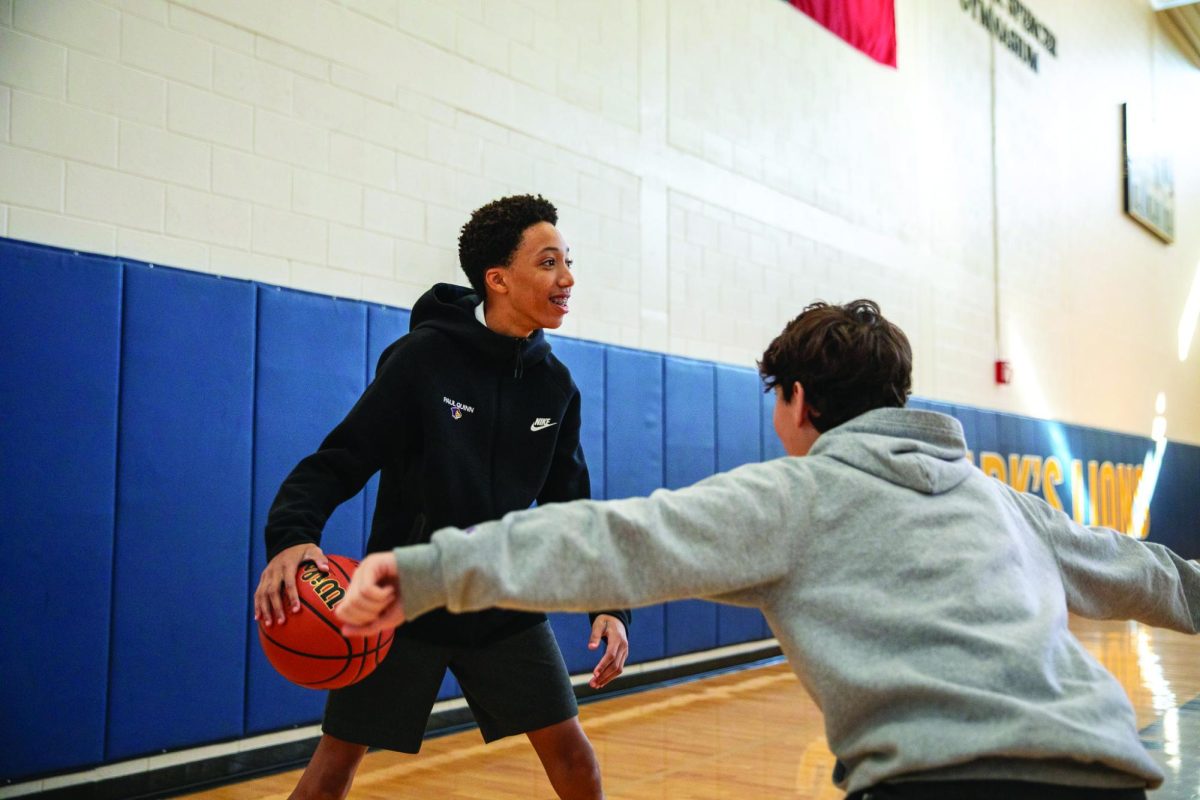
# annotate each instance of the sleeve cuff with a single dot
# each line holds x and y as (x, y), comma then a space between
(290, 540)
(421, 586)
(623, 614)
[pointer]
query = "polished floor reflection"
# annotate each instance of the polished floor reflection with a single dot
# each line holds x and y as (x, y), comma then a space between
(754, 733)
(1161, 672)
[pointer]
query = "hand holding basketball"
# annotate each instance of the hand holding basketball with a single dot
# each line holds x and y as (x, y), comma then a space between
(277, 587)
(373, 602)
(311, 650)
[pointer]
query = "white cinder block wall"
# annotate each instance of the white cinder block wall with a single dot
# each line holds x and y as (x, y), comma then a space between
(717, 165)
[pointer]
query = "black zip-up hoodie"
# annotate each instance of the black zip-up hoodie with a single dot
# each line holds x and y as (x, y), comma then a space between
(464, 425)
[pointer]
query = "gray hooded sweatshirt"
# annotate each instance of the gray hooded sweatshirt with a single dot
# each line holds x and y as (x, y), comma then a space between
(922, 604)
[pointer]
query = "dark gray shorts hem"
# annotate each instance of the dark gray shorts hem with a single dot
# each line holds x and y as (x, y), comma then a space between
(515, 685)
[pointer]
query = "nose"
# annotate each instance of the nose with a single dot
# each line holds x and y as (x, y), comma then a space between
(565, 279)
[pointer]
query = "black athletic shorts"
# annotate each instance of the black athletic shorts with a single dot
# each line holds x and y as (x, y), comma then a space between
(514, 685)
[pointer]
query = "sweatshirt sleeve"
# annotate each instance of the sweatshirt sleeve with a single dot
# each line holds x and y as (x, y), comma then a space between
(347, 458)
(726, 534)
(1107, 575)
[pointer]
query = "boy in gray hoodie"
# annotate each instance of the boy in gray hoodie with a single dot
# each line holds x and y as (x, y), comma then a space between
(922, 604)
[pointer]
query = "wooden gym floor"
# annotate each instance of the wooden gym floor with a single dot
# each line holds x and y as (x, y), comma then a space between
(753, 733)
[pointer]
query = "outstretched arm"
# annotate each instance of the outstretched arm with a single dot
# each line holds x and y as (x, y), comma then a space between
(729, 533)
(1107, 575)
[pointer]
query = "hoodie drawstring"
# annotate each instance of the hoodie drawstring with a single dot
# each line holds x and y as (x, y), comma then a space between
(518, 365)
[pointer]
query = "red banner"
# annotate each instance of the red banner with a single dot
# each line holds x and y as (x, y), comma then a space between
(869, 25)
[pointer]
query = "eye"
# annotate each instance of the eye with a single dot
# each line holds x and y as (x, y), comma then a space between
(550, 263)
(570, 263)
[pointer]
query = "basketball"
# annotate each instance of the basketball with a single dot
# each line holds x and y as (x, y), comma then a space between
(309, 649)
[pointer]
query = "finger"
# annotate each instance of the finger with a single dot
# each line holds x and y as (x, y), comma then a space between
(261, 611)
(611, 670)
(366, 629)
(379, 569)
(368, 596)
(318, 557)
(353, 612)
(602, 679)
(365, 605)
(274, 596)
(262, 605)
(391, 616)
(598, 629)
(613, 663)
(352, 609)
(602, 665)
(289, 585)
(257, 601)
(382, 595)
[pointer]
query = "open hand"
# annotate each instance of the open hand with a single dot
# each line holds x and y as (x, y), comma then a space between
(277, 587)
(613, 662)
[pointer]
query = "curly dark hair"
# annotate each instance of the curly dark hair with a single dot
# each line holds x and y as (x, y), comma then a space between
(494, 233)
(849, 359)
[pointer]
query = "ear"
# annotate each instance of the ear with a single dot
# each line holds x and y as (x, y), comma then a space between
(496, 280)
(798, 408)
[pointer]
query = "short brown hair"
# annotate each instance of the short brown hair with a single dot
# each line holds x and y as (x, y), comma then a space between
(849, 359)
(493, 234)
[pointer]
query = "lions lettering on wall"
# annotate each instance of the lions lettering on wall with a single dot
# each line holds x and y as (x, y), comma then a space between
(1104, 497)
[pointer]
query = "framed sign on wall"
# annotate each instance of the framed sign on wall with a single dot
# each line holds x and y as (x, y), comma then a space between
(1149, 177)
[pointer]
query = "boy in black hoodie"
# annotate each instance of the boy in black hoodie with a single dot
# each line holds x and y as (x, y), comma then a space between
(469, 417)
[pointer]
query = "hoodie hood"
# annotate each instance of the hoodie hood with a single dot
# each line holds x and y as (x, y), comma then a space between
(920, 450)
(450, 309)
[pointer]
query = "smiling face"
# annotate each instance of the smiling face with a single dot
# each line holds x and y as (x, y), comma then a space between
(534, 290)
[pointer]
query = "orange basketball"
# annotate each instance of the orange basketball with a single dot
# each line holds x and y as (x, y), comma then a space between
(309, 649)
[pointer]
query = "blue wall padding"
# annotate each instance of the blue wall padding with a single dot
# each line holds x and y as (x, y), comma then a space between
(180, 600)
(634, 426)
(771, 447)
(59, 334)
(1010, 431)
(691, 455)
(739, 441)
(153, 414)
(738, 422)
(970, 423)
(586, 362)
(312, 355)
(634, 459)
(573, 631)
(986, 431)
(690, 418)
(1173, 515)
(384, 326)
(449, 687)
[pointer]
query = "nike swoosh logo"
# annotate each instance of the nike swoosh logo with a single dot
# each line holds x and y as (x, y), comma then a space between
(541, 425)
